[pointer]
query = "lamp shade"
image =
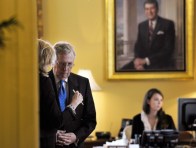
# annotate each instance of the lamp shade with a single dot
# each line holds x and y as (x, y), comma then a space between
(88, 74)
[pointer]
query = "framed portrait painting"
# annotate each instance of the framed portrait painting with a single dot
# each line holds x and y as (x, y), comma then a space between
(149, 39)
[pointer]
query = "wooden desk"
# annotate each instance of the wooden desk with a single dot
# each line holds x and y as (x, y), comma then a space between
(91, 143)
(190, 142)
(100, 142)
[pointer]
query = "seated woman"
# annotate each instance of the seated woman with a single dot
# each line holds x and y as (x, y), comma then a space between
(152, 117)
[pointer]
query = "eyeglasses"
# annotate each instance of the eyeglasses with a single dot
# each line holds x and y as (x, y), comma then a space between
(64, 64)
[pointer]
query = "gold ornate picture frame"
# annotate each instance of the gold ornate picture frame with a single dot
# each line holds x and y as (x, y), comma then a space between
(40, 27)
(187, 26)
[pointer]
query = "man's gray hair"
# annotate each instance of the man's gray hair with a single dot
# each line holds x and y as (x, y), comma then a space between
(63, 47)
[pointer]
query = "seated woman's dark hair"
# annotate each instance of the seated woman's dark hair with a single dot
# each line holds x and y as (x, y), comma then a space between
(147, 97)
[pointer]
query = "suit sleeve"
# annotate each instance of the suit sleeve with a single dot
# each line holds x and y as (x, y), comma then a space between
(137, 126)
(171, 123)
(138, 45)
(134, 128)
(89, 115)
(166, 122)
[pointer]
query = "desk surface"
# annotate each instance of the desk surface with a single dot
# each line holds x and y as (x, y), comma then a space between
(93, 143)
(190, 142)
(100, 142)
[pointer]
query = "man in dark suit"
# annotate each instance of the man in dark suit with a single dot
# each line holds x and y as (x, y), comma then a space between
(155, 43)
(79, 117)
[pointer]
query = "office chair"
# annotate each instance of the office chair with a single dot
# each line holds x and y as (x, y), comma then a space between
(125, 122)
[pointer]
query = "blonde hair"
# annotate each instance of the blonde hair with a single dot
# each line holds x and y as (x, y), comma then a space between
(47, 55)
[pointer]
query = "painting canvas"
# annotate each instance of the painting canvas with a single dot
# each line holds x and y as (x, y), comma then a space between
(168, 57)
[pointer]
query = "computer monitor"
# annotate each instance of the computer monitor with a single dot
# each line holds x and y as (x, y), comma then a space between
(187, 114)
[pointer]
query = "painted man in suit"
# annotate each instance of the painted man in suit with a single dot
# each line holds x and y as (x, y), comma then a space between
(80, 118)
(155, 43)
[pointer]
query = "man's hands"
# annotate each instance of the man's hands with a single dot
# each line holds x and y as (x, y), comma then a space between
(63, 138)
(76, 99)
(139, 63)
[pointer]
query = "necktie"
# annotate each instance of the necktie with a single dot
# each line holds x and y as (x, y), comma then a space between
(151, 29)
(62, 96)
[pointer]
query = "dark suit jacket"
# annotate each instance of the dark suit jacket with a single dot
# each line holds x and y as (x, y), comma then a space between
(85, 120)
(166, 122)
(50, 115)
(160, 50)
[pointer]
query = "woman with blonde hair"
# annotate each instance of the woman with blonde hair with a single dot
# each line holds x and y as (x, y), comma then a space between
(50, 115)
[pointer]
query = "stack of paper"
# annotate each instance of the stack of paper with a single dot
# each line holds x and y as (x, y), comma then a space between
(122, 143)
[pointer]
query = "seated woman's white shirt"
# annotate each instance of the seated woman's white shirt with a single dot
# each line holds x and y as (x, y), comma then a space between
(146, 123)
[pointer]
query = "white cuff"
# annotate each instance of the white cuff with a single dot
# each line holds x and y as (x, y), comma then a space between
(72, 108)
(147, 61)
